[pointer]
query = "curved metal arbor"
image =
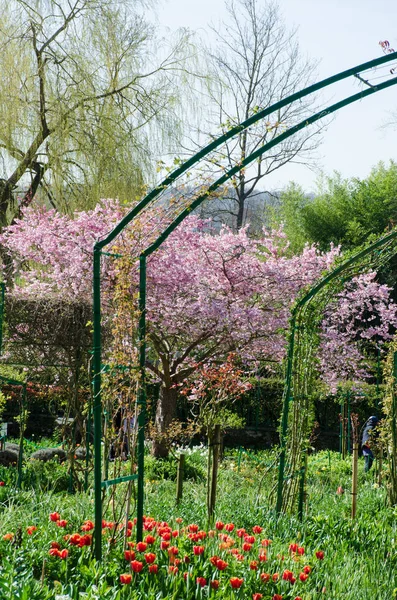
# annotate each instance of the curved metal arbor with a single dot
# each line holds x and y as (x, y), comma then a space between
(178, 213)
(299, 362)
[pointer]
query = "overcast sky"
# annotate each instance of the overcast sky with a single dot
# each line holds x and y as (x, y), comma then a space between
(340, 34)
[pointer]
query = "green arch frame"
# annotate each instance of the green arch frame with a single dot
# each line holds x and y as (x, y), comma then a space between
(147, 201)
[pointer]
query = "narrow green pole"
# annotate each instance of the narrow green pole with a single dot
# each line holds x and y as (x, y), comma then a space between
(341, 426)
(348, 421)
(22, 429)
(284, 419)
(378, 376)
(302, 482)
(141, 395)
(87, 447)
(97, 408)
(2, 293)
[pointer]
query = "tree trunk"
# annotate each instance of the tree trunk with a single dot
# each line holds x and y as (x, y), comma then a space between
(165, 413)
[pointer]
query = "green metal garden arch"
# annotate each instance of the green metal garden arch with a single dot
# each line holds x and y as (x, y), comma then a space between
(148, 201)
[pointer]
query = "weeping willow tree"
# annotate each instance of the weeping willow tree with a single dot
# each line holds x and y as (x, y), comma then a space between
(302, 365)
(88, 93)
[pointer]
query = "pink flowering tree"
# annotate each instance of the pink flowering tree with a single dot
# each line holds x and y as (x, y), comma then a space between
(361, 318)
(209, 293)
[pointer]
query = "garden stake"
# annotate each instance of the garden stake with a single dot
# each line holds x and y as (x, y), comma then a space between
(354, 422)
(354, 479)
(179, 477)
(216, 446)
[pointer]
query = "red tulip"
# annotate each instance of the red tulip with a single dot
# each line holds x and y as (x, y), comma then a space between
(254, 565)
(198, 550)
(301, 551)
(201, 581)
(55, 517)
(64, 554)
(56, 545)
(236, 582)
(307, 569)
(257, 529)
(150, 539)
(277, 597)
(129, 555)
(219, 525)
(221, 565)
(2, 484)
(257, 596)
(126, 578)
(31, 529)
(136, 566)
(141, 546)
(229, 527)
(265, 577)
(247, 547)
(214, 584)
(61, 523)
(153, 569)
(303, 576)
(150, 558)
(193, 528)
(320, 555)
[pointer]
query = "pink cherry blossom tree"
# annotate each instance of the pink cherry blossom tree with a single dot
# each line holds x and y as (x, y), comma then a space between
(208, 293)
(361, 317)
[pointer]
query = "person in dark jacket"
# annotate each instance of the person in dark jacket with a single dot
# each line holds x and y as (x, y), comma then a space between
(369, 434)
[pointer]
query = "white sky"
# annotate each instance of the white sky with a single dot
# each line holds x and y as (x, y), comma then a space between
(341, 34)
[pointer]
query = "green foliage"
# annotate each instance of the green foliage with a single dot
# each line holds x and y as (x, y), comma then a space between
(343, 211)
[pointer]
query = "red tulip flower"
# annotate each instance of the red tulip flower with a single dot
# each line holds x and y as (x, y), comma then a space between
(303, 576)
(201, 581)
(129, 555)
(55, 517)
(229, 527)
(150, 558)
(257, 529)
(219, 525)
(198, 550)
(61, 523)
(236, 582)
(221, 565)
(31, 529)
(277, 597)
(141, 546)
(265, 577)
(63, 554)
(2, 484)
(153, 569)
(193, 528)
(320, 555)
(150, 539)
(126, 578)
(301, 551)
(257, 596)
(307, 569)
(136, 566)
(214, 584)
